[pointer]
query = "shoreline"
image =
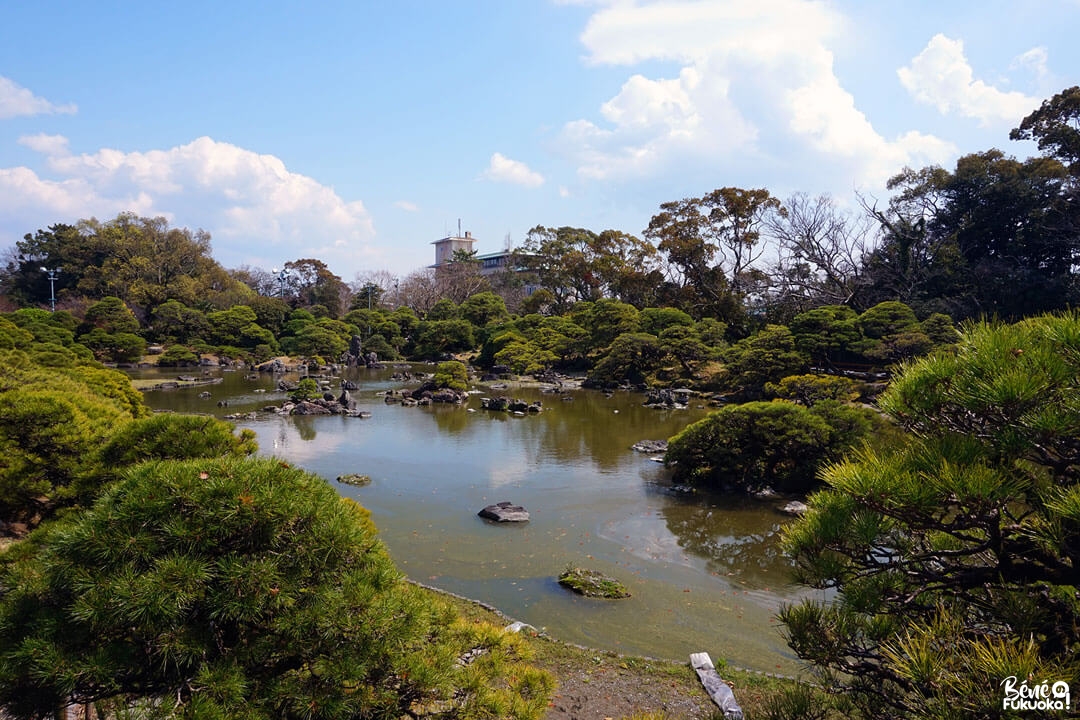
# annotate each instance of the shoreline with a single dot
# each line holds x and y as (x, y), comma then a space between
(488, 607)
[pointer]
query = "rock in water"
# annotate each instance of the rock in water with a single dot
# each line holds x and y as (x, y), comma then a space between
(505, 512)
(794, 508)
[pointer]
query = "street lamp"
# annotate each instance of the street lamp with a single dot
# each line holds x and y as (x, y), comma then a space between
(52, 274)
(281, 275)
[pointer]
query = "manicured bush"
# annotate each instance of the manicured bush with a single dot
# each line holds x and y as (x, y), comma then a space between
(239, 589)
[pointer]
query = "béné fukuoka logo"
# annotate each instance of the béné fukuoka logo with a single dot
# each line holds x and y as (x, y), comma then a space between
(1045, 695)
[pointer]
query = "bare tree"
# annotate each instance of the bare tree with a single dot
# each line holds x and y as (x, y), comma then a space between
(387, 283)
(420, 290)
(820, 250)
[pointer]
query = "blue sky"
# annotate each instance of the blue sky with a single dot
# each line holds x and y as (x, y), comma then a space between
(359, 132)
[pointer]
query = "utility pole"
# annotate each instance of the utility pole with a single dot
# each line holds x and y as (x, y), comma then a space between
(52, 275)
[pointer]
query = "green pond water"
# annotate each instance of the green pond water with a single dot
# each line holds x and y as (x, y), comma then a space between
(705, 571)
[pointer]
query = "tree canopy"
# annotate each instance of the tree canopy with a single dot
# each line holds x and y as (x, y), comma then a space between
(954, 557)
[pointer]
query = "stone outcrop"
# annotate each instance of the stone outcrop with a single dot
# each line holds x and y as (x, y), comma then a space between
(651, 447)
(795, 508)
(504, 404)
(504, 512)
(275, 366)
(668, 398)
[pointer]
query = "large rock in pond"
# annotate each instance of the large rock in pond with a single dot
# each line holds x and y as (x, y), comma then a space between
(795, 508)
(505, 512)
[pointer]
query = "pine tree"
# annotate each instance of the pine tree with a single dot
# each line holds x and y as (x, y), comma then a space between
(955, 560)
(239, 588)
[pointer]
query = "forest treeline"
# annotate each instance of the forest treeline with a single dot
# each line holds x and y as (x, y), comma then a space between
(993, 237)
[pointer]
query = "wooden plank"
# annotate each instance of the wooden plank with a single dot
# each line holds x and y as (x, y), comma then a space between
(718, 690)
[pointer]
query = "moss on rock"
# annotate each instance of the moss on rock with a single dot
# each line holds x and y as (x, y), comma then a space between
(592, 583)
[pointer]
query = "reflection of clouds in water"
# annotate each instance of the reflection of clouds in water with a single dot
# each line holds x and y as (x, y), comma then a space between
(297, 439)
(644, 536)
(501, 474)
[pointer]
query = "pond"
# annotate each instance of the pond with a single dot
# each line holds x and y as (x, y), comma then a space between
(705, 571)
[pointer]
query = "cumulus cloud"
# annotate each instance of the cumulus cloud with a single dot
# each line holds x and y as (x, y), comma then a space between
(407, 206)
(1035, 61)
(256, 210)
(52, 145)
(503, 169)
(941, 76)
(16, 101)
(756, 85)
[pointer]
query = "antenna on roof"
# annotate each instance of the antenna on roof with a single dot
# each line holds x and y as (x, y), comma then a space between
(459, 227)
(507, 244)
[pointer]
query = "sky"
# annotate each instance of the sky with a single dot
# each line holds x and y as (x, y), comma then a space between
(358, 132)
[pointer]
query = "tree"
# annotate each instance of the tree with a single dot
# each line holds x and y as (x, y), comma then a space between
(239, 588)
(121, 347)
(366, 295)
(228, 325)
(684, 344)
(629, 358)
(444, 309)
(452, 374)
(1055, 126)
(820, 253)
(435, 338)
(996, 236)
(766, 356)
(758, 445)
(524, 357)
(953, 557)
(314, 284)
(604, 320)
(461, 276)
(174, 322)
(52, 422)
(656, 320)
(146, 262)
(482, 308)
(712, 244)
(316, 340)
(826, 333)
(112, 315)
(579, 265)
(61, 248)
(385, 288)
(420, 290)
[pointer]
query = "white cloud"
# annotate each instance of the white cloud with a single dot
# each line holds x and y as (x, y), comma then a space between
(1036, 61)
(564, 192)
(941, 76)
(407, 206)
(52, 145)
(15, 101)
(756, 85)
(503, 169)
(255, 209)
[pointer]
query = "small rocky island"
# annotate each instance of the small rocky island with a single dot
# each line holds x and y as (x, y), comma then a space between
(505, 512)
(592, 583)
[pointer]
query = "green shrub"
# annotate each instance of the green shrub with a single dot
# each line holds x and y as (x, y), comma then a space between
(239, 589)
(178, 356)
(452, 374)
(307, 389)
(760, 445)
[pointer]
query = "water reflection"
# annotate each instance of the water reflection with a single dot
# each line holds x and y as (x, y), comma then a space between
(705, 572)
(730, 535)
